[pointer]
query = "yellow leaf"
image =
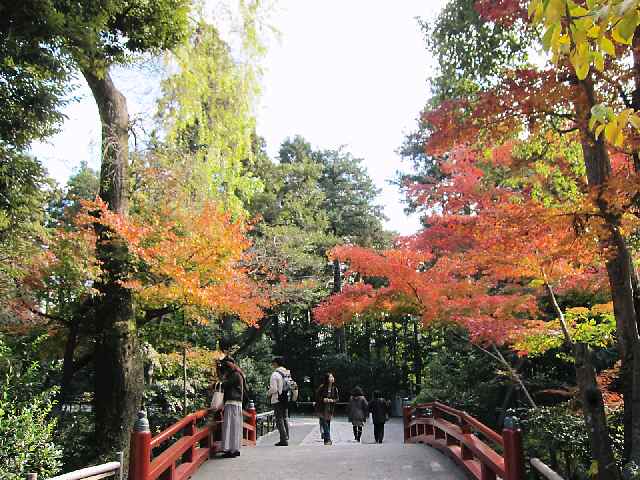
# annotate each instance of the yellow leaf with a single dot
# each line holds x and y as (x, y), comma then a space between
(611, 132)
(635, 121)
(578, 11)
(594, 32)
(598, 61)
(580, 66)
(548, 35)
(599, 130)
(607, 46)
(627, 26)
(554, 11)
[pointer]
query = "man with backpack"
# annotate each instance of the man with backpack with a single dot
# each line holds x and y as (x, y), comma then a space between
(282, 390)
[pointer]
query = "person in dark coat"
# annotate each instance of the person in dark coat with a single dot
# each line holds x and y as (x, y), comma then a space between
(380, 410)
(358, 412)
(326, 399)
(234, 387)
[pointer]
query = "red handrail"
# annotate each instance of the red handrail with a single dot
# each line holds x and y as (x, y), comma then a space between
(186, 454)
(459, 440)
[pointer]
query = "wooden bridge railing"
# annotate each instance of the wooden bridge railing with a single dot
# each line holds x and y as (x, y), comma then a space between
(471, 444)
(196, 439)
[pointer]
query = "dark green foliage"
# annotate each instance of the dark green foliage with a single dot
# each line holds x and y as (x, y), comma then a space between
(34, 72)
(312, 201)
(369, 375)
(39, 57)
(559, 437)
(83, 184)
(463, 377)
(25, 190)
(26, 426)
(471, 53)
(350, 199)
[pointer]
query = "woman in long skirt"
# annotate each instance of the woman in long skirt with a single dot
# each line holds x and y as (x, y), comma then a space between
(233, 385)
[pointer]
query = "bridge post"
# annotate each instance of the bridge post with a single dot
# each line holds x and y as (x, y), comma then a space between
(140, 453)
(253, 421)
(406, 418)
(513, 449)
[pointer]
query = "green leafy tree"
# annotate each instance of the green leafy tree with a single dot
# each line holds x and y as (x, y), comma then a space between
(95, 36)
(25, 189)
(35, 72)
(206, 112)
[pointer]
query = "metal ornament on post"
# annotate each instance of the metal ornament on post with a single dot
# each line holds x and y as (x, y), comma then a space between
(406, 417)
(140, 453)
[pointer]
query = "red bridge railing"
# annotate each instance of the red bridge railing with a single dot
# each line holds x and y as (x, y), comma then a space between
(471, 444)
(196, 438)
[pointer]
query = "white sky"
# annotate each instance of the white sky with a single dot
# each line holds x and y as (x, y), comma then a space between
(344, 72)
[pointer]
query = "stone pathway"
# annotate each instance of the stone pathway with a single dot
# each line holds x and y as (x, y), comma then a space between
(307, 458)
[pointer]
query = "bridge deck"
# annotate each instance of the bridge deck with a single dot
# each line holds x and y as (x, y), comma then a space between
(307, 458)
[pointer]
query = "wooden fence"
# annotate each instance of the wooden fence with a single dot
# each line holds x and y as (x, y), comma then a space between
(482, 452)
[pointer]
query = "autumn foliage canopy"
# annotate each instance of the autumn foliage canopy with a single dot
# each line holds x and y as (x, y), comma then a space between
(513, 214)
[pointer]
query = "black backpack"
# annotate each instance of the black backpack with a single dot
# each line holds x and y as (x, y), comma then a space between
(289, 389)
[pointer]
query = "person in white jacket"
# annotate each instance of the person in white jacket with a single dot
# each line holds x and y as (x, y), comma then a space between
(280, 407)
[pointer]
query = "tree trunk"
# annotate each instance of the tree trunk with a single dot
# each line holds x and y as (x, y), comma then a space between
(341, 340)
(598, 166)
(594, 415)
(417, 358)
(254, 333)
(405, 354)
(394, 343)
(631, 431)
(379, 340)
(119, 379)
(68, 366)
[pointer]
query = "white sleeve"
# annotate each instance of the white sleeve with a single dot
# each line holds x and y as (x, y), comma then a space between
(273, 384)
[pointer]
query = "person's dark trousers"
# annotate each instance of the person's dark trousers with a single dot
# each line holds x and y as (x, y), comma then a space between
(325, 425)
(378, 432)
(357, 432)
(282, 421)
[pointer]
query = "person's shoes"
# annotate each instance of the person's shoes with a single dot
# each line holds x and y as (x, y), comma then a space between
(229, 455)
(236, 454)
(328, 442)
(282, 444)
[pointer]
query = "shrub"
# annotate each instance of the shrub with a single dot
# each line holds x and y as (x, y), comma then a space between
(26, 427)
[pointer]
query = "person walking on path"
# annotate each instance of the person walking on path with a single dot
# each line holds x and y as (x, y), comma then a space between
(278, 399)
(234, 388)
(326, 398)
(380, 412)
(358, 412)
